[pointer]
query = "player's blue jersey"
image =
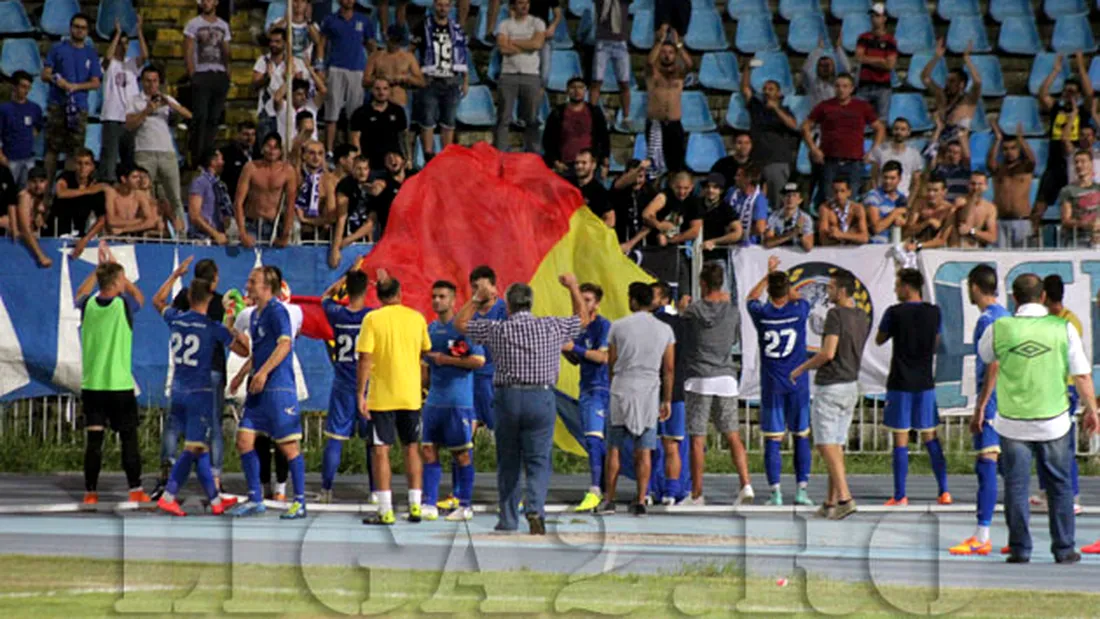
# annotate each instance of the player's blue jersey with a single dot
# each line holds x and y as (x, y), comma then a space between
(451, 386)
(781, 333)
(345, 328)
(990, 315)
(594, 337)
(192, 346)
(499, 311)
(267, 326)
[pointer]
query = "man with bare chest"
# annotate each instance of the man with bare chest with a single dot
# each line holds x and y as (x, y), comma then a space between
(31, 214)
(395, 64)
(263, 186)
(668, 63)
(130, 210)
(975, 223)
(930, 218)
(842, 221)
(1012, 176)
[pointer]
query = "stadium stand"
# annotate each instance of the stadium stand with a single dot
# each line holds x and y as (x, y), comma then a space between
(989, 69)
(14, 19)
(805, 31)
(703, 150)
(915, 33)
(917, 63)
(1020, 35)
(20, 55)
(56, 15)
(967, 32)
(705, 32)
(755, 33)
(1041, 67)
(950, 9)
(718, 71)
(1073, 33)
(840, 9)
(736, 114)
(1022, 110)
(776, 66)
(111, 11)
(789, 9)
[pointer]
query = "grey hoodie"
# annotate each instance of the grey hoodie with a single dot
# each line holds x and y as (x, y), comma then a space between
(711, 330)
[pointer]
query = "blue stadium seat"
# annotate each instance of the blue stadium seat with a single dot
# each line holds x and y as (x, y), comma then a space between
(897, 8)
(641, 30)
(1020, 35)
(950, 9)
(1000, 10)
(586, 30)
(1094, 70)
(911, 106)
(40, 145)
(756, 34)
(705, 32)
(980, 143)
(40, 93)
(639, 5)
(737, 115)
(1041, 66)
(993, 79)
(56, 15)
(701, 5)
(111, 11)
(477, 108)
(133, 50)
(803, 164)
(805, 31)
(914, 33)
(737, 10)
(980, 124)
(488, 38)
(719, 71)
(418, 157)
(639, 100)
(275, 12)
(776, 67)
(93, 139)
(564, 64)
(475, 77)
(917, 64)
(1041, 148)
(640, 147)
(1073, 33)
(542, 114)
(14, 20)
(577, 7)
(20, 55)
(696, 110)
(1060, 8)
(703, 150)
(966, 30)
(561, 39)
(843, 8)
(854, 25)
(1024, 110)
(492, 72)
(789, 9)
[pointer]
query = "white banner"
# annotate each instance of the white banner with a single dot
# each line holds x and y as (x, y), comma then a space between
(873, 267)
(945, 274)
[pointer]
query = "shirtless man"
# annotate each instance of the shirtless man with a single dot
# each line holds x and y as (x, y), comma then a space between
(31, 214)
(975, 223)
(668, 63)
(130, 211)
(315, 202)
(842, 221)
(930, 218)
(954, 103)
(263, 186)
(395, 64)
(1012, 176)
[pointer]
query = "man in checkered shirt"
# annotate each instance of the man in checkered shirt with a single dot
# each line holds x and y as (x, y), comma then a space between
(526, 351)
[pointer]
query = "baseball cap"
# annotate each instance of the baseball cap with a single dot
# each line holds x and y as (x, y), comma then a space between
(790, 188)
(878, 8)
(715, 178)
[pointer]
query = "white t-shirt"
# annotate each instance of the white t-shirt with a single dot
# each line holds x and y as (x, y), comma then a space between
(154, 135)
(721, 386)
(526, 63)
(208, 38)
(235, 361)
(280, 120)
(296, 319)
(120, 84)
(266, 104)
(910, 161)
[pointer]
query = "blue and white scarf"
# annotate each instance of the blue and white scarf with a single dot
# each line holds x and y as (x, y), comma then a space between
(459, 53)
(309, 193)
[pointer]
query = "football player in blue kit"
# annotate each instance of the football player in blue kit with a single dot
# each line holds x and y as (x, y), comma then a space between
(784, 405)
(589, 351)
(448, 416)
(982, 287)
(272, 404)
(343, 420)
(192, 344)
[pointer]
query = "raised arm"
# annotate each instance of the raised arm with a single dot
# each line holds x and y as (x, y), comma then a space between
(746, 81)
(1086, 80)
(994, 149)
(1046, 101)
(975, 93)
(926, 75)
(25, 216)
(758, 290)
(160, 298)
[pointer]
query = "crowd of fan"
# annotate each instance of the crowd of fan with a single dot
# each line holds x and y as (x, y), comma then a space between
(340, 185)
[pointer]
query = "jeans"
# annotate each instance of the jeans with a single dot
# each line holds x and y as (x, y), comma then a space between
(437, 103)
(20, 168)
(118, 147)
(1013, 233)
(776, 175)
(840, 168)
(209, 90)
(528, 89)
(524, 437)
(1053, 460)
(878, 95)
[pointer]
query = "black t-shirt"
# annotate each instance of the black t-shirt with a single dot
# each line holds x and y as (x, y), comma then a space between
(216, 312)
(595, 197)
(382, 203)
(727, 166)
(716, 219)
(541, 9)
(72, 214)
(359, 203)
(772, 141)
(676, 323)
(686, 211)
(9, 193)
(379, 131)
(913, 328)
(628, 205)
(235, 158)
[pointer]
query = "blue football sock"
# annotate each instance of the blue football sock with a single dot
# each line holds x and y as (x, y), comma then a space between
(466, 485)
(181, 470)
(773, 461)
(1073, 474)
(432, 473)
(206, 475)
(455, 483)
(987, 490)
(298, 477)
(370, 464)
(330, 462)
(672, 489)
(250, 465)
(595, 447)
(803, 458)
(939, 463)
(901, 471)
